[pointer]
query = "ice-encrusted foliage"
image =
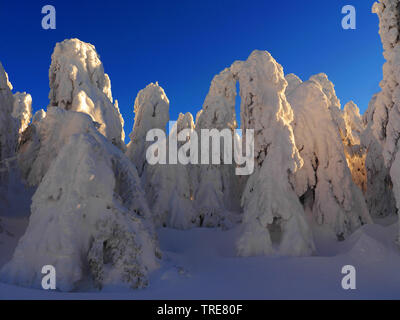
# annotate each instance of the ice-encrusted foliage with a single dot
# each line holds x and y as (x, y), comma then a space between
(89, 219)
(151, 112)
(78, 83)
(324, 183)
(22, 110)
(270, 203)
(383, 115)
(355, 152)
(217, 189)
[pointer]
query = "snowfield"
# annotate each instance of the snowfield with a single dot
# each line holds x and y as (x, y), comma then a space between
(201, 264)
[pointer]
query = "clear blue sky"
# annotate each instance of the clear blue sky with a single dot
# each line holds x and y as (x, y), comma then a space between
(183, 44)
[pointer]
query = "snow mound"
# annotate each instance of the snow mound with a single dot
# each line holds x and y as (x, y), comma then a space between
(78, 83)
(89, 218)
(369, 244)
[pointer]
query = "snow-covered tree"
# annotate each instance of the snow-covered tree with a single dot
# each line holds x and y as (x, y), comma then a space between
(169, 188)
(8, 126)
(151, 112)
(324, 183)
(349, 124)
(217, 188)
(383, 115)
(22, 110)
(395, 178)
(272, 210)
(90, 219)
(8, 134)
(78, 83)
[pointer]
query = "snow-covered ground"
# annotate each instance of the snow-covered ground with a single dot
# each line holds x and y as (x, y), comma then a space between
(201, 264)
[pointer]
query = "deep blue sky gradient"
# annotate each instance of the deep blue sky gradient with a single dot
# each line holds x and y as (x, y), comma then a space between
(183, 44)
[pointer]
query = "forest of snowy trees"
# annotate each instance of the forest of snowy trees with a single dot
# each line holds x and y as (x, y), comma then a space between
(97, 203)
